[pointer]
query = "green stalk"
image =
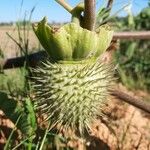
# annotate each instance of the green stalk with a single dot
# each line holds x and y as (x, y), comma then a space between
(8, 141)
(65, 5)
(21, 143)
(44, 137)
(76, 14)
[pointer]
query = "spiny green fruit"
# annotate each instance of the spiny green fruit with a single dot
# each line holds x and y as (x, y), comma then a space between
(72, 88)
(72, 95)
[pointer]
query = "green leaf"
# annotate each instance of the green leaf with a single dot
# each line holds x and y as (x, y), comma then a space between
(14, 109)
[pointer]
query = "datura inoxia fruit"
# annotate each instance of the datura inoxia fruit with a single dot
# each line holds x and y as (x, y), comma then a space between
(72, 86)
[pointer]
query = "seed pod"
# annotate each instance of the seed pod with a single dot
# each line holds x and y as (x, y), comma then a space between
(72, 95)
(72, 89)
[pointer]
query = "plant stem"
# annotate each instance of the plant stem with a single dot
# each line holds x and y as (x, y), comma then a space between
(65, 5)
(76, 14)
(11, 134)
(109, 4)
(89, 14)
(44, 137)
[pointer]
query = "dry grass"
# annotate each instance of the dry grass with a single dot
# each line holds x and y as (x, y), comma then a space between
(8, 47)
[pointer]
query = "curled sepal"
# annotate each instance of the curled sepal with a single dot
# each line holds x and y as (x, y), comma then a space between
(54, 41)
(105, 35)
(71, 42)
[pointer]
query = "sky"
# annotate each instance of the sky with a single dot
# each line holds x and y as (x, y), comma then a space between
(11, 10)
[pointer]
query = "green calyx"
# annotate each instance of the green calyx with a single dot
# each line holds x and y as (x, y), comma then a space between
(71, 42)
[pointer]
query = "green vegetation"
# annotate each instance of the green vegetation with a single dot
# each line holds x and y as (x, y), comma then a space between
(134, 56)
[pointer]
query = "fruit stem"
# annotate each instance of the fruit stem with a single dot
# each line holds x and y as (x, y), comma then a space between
(76, 14)
(65, 5)
(89, 17)
(109, 4)
(89, 14)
